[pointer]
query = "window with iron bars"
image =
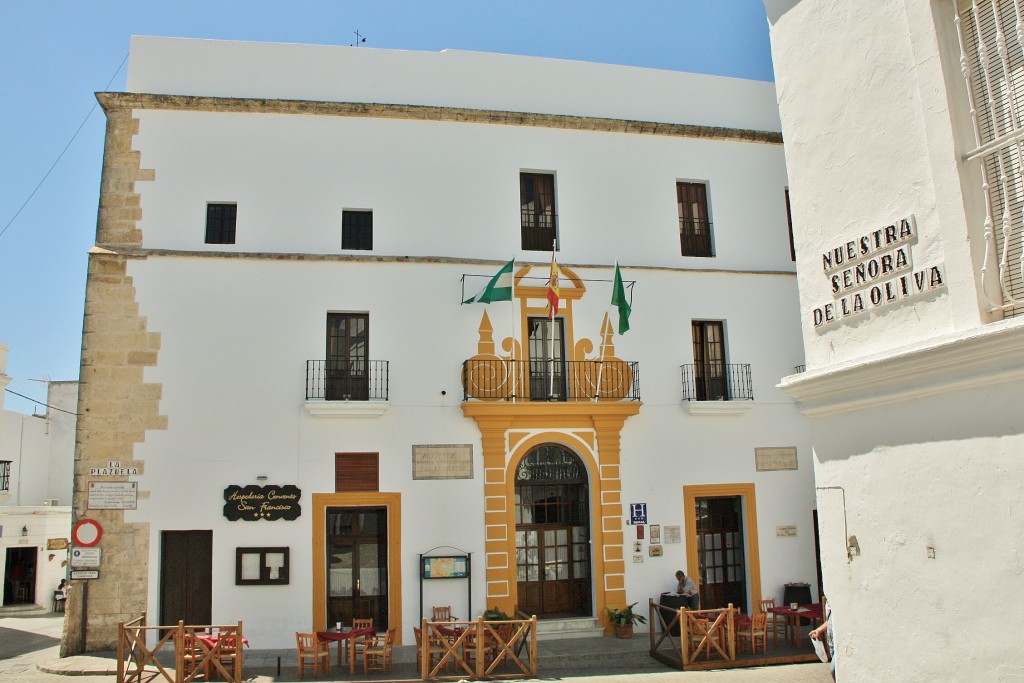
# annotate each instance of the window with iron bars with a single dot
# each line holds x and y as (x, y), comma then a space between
(537, 211)
(220, 223)
(991, 61)
(357, 230)
(5, 475)
(694, 224)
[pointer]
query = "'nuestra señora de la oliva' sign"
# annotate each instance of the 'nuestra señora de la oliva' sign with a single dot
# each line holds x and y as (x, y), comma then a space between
(252, 503)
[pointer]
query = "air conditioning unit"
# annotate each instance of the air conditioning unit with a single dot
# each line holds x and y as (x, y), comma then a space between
(51, 502)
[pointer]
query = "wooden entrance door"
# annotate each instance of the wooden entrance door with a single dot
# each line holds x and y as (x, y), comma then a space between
(357, 565)
(186, 577)
(553, 534)
(720, 556)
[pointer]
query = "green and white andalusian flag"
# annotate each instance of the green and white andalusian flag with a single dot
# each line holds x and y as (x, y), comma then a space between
(499, 288)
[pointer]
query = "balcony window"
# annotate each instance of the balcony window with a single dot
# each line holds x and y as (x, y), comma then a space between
(537, 211)
(694, 224)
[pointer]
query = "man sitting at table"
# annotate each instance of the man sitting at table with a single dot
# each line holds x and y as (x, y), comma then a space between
(686, 588)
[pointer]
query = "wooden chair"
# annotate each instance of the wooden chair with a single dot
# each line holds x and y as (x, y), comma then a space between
(312, 650)
(443, 614)
(192, 656)
(377, 652)
(435, 649)
(775, 622)
(360, 643)
(698, 630)
(757, 631)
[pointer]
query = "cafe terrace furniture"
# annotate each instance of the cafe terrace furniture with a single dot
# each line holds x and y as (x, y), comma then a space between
(344, 637)
(221, 651)
(443, 613)
(776, 624)
(755, 631)
(435, 651)
(311, 649)
(377, 652)
(793, 616)
(192, 656)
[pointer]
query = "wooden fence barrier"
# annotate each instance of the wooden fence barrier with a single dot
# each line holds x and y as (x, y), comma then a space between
(479, 649)
(197, 651)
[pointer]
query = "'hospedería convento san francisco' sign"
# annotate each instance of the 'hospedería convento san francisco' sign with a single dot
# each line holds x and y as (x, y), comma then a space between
(873, 271)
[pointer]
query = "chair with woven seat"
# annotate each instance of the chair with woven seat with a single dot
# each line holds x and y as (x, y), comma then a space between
(359, 643)
(775, 624)
(312, 650)
(192, 656)
(757, 631)
(435, 649)
(377, 652)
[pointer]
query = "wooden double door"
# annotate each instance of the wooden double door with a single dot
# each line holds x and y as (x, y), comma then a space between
(720, 554)
(553, 534)
(357, 565)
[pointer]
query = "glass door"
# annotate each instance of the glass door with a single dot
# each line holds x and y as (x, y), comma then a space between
(720, 556)
(357, 565)
(348, 365)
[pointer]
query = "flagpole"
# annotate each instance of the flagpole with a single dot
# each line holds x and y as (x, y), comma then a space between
(600, 358)
(551, 327)
(515, 368)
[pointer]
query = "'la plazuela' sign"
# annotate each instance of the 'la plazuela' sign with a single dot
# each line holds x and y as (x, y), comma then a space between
(253, 503)
(873, 271)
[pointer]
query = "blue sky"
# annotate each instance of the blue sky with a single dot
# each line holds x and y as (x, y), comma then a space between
(54, 54)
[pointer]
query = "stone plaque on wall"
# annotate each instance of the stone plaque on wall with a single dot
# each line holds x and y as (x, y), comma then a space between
(775, 459)
(442, 461)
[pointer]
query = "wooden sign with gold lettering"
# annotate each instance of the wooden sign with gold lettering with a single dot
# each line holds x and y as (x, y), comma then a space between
(252, 503)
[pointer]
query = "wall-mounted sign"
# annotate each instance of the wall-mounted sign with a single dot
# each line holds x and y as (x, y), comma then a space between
(85, 557)
(113, 469)
(673, 534)
(261, 566)
(86, 533)
(56, 544)
(655, 551)
(875, 270)
(84, 574)
(442, 461)
(252, 503)
(446, 567)
(785, 531)
(113, 495)
(775, 459)
(638, 514)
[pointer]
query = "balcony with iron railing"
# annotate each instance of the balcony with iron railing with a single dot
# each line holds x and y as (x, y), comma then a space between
(719, 383)
(544, 380)
(695, 237)
(539, 230)
(346, 387)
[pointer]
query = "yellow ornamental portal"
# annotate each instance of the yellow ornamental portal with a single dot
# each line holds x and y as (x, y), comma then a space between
(542, 388)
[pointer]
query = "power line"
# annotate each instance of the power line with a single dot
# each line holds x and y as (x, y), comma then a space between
(61, 155)
(39, 403)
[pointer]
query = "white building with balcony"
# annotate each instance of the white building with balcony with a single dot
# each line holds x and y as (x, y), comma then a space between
(277, 354)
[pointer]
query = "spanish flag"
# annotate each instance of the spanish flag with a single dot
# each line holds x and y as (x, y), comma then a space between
(554, 294)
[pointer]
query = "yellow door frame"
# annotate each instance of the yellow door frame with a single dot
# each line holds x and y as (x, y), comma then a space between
(753, 557)
(393, 503)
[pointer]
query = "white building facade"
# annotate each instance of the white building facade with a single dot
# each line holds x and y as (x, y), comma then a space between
(36, 464)
(276, 353)
(902, 128)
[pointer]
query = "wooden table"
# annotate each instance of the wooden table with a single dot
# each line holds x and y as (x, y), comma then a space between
(341, 638)
(793, 616)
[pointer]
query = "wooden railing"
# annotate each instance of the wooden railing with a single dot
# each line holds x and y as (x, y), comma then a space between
(480, 649)
(709, 633)
(215, 651)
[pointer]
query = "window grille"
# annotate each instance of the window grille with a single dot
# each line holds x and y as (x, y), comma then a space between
(991, 40)
(5, 475)
(220, 223)
(537, 211)
(357, 230)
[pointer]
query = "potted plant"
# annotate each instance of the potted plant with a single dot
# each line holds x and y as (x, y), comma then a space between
(623, 619)
(495, 614)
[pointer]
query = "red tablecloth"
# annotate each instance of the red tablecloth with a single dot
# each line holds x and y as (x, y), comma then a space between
(211, 640)
(794, 615)
(340, 637)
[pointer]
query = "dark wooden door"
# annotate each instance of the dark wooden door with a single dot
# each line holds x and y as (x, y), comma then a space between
(186, 577)
(348, 364)
(357, 565)
(720, 556)
(553, 534)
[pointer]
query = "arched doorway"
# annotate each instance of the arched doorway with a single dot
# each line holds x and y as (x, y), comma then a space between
(553, 534)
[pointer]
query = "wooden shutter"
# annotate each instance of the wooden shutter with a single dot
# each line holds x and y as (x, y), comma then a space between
(356, 472)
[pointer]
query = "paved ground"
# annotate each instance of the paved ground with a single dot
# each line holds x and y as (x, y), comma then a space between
(30, 644)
